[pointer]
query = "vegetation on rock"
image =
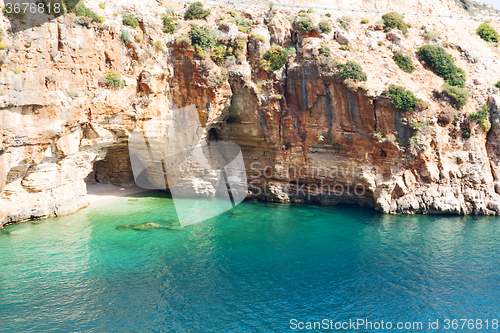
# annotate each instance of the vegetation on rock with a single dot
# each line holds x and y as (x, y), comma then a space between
(113, 80)
(219, 54)
(169, 25)
(487, 33)
(482, 117)
(459, 96)
(130, 20)
(394, 20)
(202, 37)
(125, 36)
(402, 99)
(325, 27)
(352, 70)
(442, 64)
(196, 11)
(275, 58)
(82, 11)
(432, 35)
(404, 62)
(305, 24)
(324, 50)
(345, 22)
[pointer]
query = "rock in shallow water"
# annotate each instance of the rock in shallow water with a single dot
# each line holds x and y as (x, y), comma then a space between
(140, 227)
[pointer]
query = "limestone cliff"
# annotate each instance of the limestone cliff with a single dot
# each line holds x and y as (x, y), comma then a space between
(301, 128)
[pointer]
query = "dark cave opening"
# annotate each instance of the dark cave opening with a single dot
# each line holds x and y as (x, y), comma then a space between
(114, 169)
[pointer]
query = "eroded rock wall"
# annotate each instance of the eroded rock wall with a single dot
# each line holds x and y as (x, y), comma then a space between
(306, 133)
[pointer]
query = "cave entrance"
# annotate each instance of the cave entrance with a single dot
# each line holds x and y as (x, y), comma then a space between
(114, 169)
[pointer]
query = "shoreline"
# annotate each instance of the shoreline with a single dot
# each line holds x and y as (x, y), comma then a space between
(99, 194)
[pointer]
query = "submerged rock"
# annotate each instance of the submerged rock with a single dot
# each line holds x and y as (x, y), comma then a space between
(140, 227)
(146, 226)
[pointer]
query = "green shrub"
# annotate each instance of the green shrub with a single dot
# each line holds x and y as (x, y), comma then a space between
(275, 58)
(432, 35)
(169, 25)
(291, 50)
(352, 70)
(325, 27)
(232, 13)
(243, 29)
(380, 43)
(159, 45)
(487, 33)
(310, 10)
(497, 84)
(196, 11)
(402, 99)
(130, 20)
(459, 96)
(305, 24)
(113, 80)
(73, 93)
(365, 21)
(257, 37)
(17, 71)
(404, 62)
(482, 117)
(328, 15)
(442, 64)
(125, 36)
(82, 11)
(219, 54)
(202, 37)
(345, 22)
(2, 45)
(394, 20)
(102, 5)
(465, 134)
(139, 38)
(199, 52)
(344, 47)
(324, 50)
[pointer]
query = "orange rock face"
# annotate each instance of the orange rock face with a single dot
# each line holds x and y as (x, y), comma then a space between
(307, 135)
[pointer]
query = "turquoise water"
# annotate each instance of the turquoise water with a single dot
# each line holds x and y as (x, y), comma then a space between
(252, 269)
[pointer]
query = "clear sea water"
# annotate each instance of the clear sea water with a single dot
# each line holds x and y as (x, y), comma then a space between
(252, 269)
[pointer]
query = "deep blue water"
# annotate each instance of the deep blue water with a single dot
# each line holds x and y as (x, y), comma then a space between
(252, 269)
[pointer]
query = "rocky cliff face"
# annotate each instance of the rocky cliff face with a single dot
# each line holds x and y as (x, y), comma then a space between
(306, 133)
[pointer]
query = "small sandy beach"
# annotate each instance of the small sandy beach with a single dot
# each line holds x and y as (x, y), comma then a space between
(103, 193)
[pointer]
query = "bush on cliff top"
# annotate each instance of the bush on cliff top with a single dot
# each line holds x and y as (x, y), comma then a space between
(442, 64)
(394, 20)
(487, 33)
(352, 70)
(275, 58)
(196, 11)
(404, 62)
(402, 99)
